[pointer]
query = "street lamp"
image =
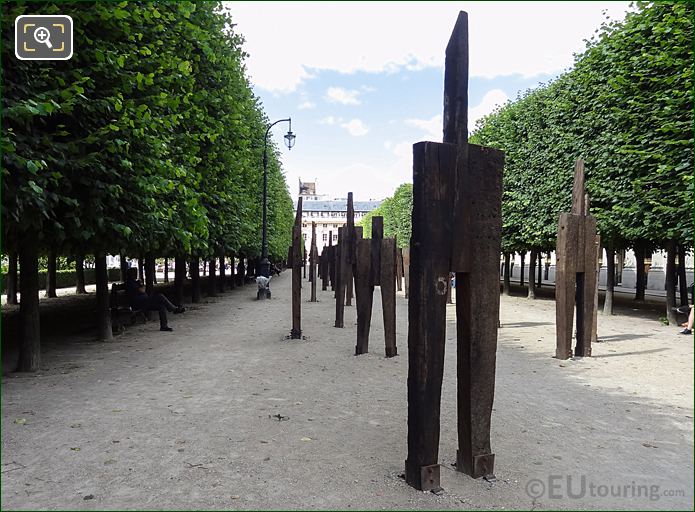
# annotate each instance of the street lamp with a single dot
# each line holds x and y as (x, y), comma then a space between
(265, 263)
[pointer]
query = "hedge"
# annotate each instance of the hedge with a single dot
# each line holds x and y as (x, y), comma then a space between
(66, 278)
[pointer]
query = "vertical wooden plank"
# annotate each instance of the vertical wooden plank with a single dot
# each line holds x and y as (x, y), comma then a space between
(586, 333)
(597, 270)
(331, 261)
(406, 270)
(297, 264)
(477, 307)
(352, 277)
(565, 281)
(399, 270)
(349, 289)
(430, 250)
(323, 262)
(377, 236)
(339, 282)
(313, 257)
(364, 293)
(388, 294)
(578, 203)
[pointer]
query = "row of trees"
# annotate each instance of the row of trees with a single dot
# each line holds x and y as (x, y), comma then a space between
(397, 214)
(148, 142)
(626, 108)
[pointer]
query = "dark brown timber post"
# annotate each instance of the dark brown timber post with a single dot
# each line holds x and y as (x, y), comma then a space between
(297, 264)
(313, 257)
(430, 251)
(575, 272)
(406, 270)
(457, 191)
(339, 283)
(388, 294)
(349, 250)
(364, 292)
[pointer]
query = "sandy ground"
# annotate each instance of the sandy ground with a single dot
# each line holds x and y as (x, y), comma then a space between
(189, 419)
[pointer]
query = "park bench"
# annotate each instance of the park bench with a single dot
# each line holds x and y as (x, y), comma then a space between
(119, 306)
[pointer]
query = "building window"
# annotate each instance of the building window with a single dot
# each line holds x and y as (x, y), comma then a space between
(325, 225)
(325, 237)
(335, 238)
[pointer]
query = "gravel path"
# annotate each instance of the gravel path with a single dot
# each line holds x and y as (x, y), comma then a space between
(225, 413)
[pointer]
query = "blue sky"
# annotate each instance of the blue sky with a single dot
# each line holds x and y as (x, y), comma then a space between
(364, 81)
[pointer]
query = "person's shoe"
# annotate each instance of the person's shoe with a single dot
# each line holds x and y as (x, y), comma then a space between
(686, 331)
(179, 309)
(167, 328)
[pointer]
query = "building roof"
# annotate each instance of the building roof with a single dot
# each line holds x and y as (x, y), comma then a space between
(337, 205)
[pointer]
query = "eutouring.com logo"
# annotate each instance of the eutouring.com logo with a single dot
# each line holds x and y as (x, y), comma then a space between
(576, 487)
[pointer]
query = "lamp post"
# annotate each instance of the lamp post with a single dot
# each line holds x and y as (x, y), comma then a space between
(289, 142)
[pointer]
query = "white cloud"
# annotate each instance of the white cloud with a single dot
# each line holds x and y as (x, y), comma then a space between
(355, 127)
(528, 38)
(491, 100)
(306, 105)
(432, 128)
(330, 120)
(344, 96)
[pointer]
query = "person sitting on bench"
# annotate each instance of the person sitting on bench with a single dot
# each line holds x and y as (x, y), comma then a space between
(138, 298)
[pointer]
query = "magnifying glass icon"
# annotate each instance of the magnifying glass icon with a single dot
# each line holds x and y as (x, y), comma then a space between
(43, 36)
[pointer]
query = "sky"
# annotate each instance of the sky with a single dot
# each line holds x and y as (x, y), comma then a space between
(363, 81)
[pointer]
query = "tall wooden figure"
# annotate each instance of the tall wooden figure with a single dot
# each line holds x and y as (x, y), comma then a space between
(313, 262)
(575, 280)
(297, 264)
(375, 266)
(457, 196)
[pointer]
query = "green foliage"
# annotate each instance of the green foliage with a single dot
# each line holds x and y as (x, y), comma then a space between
(149, 139)
(626, 108)
(397, 212)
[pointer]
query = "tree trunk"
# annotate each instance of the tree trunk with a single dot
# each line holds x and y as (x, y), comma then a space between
(30, 321)
(241, 271)
(149, 273)
(103, 311)
(610, 280)
(79, 274)
(641, 275)
(179, 279)
(51, 274)
(166, 270)
(671, 282)
(547, 268)
(141, 268)
(506, 285)
(682, 278)
(12, 279)
(212, 281)
(195, 280)
(531, 274)
(124, 267)
(523, 264)
(540, 269)
(232, 277)
(619, 267)
(221, 281)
